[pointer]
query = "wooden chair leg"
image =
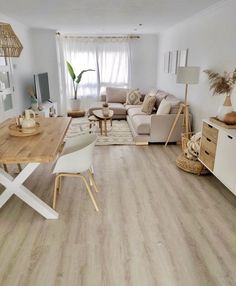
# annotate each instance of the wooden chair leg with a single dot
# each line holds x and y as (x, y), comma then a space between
(55, 191)
(19, 167)
(90, 193)
(90, 181)
(93, 183)
(5, 168)
(59, 184)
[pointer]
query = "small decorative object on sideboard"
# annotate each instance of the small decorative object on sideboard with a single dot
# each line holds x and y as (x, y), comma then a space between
(105, 109)
(222, 84)
(230, 118)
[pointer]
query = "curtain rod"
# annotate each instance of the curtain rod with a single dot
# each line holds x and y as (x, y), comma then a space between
(101, 37)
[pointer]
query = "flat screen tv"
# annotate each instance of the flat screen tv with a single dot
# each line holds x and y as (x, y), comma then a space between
(42, 87)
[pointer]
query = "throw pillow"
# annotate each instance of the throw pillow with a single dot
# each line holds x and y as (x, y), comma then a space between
(116, 94)
(164, 107)
(160, 95)
(133, 97)
(175, 103)
(148, 104)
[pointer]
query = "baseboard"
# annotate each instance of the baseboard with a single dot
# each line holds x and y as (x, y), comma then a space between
(141, 143)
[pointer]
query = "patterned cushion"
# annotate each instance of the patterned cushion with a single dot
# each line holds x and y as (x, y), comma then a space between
(133, 97)
(148, 104)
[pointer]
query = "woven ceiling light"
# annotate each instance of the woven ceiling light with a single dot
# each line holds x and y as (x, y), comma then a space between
(10, 45)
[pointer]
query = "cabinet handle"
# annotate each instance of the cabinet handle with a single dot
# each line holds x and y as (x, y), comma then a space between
(230, 137)
(207, 153)
(208, 139)
(210, 126)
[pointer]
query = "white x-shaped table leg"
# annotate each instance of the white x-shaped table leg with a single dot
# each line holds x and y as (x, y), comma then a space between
(14, 187)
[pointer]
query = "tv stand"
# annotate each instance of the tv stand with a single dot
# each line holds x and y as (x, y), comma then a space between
(48, 109)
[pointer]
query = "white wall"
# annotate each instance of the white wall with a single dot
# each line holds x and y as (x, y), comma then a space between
(210, 37)
(143, 59)
(45, 58)
(22, 66)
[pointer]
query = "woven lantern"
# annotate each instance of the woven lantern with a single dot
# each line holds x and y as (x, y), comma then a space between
(10, 45)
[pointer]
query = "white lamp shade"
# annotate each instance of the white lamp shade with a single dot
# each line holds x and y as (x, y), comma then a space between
(188, 75)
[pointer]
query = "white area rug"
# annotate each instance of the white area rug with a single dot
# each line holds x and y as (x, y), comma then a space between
(118, 134)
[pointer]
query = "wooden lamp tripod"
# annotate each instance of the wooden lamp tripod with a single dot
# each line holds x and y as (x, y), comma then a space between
(185, 75)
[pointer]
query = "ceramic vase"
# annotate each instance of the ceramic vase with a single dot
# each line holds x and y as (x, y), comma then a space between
(225, 108)
(105, 111)
(35, 106)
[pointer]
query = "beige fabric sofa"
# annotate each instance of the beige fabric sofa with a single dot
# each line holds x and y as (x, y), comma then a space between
(145, 128)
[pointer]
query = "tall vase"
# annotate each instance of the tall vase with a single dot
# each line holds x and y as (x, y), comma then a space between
(225, 108)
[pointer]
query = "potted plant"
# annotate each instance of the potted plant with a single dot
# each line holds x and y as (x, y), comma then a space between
(222, 84)
(34, 101)
(75, 102)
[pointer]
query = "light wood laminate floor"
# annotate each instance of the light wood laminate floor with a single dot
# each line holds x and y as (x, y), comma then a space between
(158, 226)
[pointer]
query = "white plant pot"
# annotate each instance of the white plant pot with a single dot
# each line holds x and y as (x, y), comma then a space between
(74, 104)
(225, 108)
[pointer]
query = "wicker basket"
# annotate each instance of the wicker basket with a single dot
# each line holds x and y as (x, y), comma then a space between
(190, 166)
(185, 137)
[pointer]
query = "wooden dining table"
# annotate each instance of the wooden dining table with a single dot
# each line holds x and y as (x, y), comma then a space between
(30, 151)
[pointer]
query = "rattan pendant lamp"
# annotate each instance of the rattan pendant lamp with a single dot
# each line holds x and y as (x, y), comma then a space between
(10, 45)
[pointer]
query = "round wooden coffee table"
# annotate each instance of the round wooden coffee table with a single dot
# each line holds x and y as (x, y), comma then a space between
(101, 118)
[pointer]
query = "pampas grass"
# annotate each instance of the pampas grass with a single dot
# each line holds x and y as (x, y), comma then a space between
(221, 84)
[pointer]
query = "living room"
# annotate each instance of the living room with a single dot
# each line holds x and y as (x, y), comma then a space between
(156, 225)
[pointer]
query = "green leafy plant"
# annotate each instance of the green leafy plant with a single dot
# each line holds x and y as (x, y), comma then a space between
(76, 79)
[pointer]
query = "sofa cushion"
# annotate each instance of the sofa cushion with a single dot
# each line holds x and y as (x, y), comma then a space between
(118, 108)
(142, 123)
(148, 104)
(133, 97)
(164, 107)
(130, 106)
(160, 95)
(175, 103)
(115, 94)
(135, 111)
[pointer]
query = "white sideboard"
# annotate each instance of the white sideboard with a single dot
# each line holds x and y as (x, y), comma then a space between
(218, 153)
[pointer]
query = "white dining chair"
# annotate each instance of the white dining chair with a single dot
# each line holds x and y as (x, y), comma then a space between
(75, 159)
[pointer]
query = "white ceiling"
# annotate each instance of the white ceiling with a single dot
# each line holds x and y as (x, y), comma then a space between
(103, 16)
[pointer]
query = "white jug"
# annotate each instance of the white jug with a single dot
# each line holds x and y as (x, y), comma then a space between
(28, 122)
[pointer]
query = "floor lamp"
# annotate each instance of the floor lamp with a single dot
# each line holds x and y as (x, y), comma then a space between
(185, 75)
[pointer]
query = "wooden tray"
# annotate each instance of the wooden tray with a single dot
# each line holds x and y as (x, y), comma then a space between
(23, 132)
(222, 124)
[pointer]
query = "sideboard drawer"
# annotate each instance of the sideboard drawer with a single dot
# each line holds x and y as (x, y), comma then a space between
(206, 158)
(210, 132)
(208, 145)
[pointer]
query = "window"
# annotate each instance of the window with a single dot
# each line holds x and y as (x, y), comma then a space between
(6, 89)
(109, 57)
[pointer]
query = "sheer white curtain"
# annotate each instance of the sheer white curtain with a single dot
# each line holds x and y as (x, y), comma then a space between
(114, 62)
(109, 57)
